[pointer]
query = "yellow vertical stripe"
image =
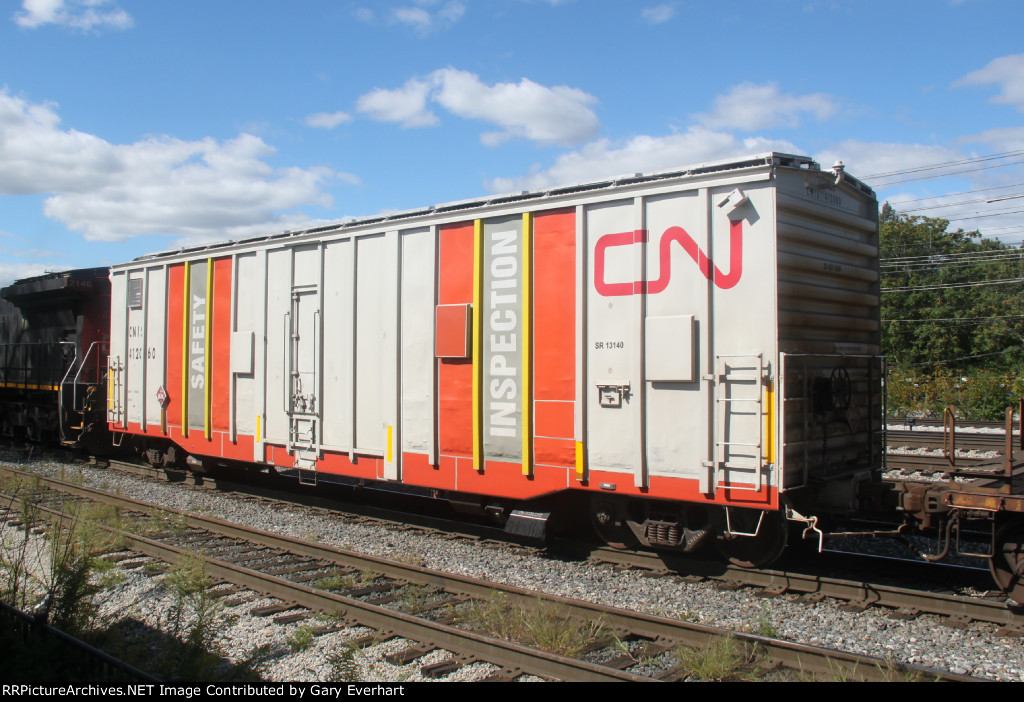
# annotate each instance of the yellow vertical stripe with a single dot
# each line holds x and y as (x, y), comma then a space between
(258, 423)
(207, 396)
(390, 434)
(185, 308)
(478, 282)
(579, 460)
(769, 423)
(527, 329)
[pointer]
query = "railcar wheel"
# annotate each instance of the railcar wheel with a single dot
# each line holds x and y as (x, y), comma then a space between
(753, 551)
(608, 517)
(1007, 564)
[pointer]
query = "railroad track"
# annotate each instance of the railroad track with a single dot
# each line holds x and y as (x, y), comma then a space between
(961, 424)
(810, 580)
(858, 594)
(234, 552)
(929, 464)
(965, 441)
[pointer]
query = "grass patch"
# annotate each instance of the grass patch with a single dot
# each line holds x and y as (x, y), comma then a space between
(193, 618)
(412, 597)
(766, 625)
(722, 659)
(300, 639)
(338, 581)
(344, 666)
(540, 626)
(60, 577)
(409, 558)
(160, 522)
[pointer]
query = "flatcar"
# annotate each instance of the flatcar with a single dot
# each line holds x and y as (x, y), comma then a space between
(54, 331)
(678, 357)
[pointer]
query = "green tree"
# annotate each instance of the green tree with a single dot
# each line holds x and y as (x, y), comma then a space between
(953, 314)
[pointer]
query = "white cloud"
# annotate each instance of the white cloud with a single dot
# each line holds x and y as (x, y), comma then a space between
(604, 159)
(415, 17)
(328, 120)
(452, 11)
(868, 160)
(84, 15)
(751, 107)
(942, 181)
(998, 139)
(1007, 72)
(406, 105)
(658, 13)
(197, 190)
(10, 272)
(527, 110)
(426, 20)
(36, 261)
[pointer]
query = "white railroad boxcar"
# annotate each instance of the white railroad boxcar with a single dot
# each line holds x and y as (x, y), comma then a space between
(686, 353)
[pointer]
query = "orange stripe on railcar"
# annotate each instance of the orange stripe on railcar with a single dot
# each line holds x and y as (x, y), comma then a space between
(455, 376)
(175, 344)
(554, 324)
(220, 355)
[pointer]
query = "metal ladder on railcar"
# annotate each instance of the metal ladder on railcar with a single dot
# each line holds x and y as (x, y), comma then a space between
(115, 395)
(302, 380)
(740, 445)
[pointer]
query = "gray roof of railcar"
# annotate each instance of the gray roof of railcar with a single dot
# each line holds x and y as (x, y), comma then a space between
(765, 159)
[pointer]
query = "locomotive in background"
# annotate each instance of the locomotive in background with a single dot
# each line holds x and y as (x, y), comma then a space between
(54, 339)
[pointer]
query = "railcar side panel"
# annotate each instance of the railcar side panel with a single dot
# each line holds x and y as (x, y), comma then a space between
(625, 340)
(376, 396)
(613, 388)
(418, 301)
(279, 366)
(554, 339)
(455, 374)
(154, 341)
(338, 364)
(175, 352)
(220, 349)
(249, 293)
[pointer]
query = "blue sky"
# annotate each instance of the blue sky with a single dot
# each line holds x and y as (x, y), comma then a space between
(128, 127)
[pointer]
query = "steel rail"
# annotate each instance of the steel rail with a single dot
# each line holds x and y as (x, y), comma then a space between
(936, 463)
(810, 659)
(485, 648)
(991, 610)
(933, 439)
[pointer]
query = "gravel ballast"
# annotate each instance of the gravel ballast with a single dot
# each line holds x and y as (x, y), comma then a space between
(973, 650)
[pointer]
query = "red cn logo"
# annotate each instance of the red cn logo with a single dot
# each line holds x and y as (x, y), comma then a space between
(677, 234)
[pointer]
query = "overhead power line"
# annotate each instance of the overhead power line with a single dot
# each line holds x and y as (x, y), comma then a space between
(936, 261)
(982, 216)
(954, 255)
(959, 320)
(977, 201)
(946, 164)
(900, 207)
(948, 286)
(944, 174)
(966, 358)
